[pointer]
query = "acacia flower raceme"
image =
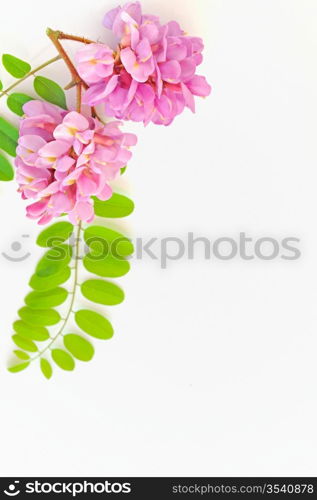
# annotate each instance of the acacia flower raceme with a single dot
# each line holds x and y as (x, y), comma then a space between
(64, 158)
(151, 77)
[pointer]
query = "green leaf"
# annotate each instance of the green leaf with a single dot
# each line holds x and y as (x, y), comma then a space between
(63, 359)
(21, 355)
(25, 344)
(46, 368)
(94, 324)
(6, 170)
(122, 170)
(38, 333)
(54, 261)
(1, 85)
(108, 267)
(15, 102)
(18, 368)
(48, 283)
(55, 234)
(79, 347)
(102, 292)
(43, 300)
(8, 137)
(16, 67)
(39, 317)
(103, 241)
(117, 206)
(50, 91)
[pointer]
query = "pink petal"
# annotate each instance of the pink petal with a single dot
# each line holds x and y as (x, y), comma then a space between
(143, 51)
(199, 86)
(105, 193)
(54, 149)
(189, 98)
(170, 71)
(109, 18)
(36, 209)
(65, 163)
(32, 142)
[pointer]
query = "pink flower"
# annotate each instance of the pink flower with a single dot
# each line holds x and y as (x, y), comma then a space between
(76, 163)
(139, 63)
(95, 62)
(154, 73)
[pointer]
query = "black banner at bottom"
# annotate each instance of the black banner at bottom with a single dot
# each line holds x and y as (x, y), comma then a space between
(157, 487)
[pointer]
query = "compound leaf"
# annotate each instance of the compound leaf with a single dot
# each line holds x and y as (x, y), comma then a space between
(79, 347)
(16, 67)
(55, 234)
(117, 206)
(6, 170)
(102, 292)
(39, 317)
(18, 368)
(48, 283)
(25, 344)
(94, 324)
(46, 368)
(63, 359)
(56, 259)
(15, 102)
(38, 333)
(103, 241)
(21, 355)
(8, 137)
(50, 91)
(49, 298)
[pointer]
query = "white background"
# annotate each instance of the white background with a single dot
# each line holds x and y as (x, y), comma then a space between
(212, 370)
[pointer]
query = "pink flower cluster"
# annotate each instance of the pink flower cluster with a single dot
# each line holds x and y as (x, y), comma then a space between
(152, 76)
(64, 158)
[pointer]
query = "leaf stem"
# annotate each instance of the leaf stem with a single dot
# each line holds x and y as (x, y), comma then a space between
(72, 293)
(31, 73)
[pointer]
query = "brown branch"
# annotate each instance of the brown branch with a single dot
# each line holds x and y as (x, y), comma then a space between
(54, 36)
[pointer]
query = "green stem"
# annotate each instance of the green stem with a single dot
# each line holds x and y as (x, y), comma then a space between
(72, 302)
(31, 73)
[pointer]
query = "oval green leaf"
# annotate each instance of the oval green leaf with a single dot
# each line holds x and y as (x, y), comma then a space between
(21, 355)
(6, 170)
(79, 347)
(94, 324)
(39, 317)
(55, 235)
(103, 241)
(18, 368)
(44, 300)
(102, 292)
(117, 206)
(109, 267)
(16, 67)
(50, 91)
(54, 261)
(15, 102)
(25, 344)
(8, 137)
(46, 368)
(63, 359)
(48, 283)
(38, 333)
